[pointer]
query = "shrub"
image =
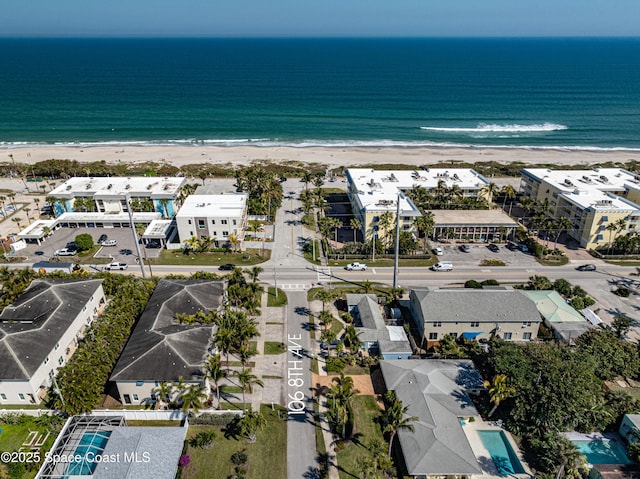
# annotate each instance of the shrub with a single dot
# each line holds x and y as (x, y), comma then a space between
(208, 419)
(335, 365)
(202, 439)
(622, 292)
(239, 458)
(84, 242)
(577, 303)
(184, 460)
(473, 284)
(490, 282)
(634, 451)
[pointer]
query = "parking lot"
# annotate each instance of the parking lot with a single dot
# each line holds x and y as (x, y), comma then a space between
(124, 250)
(478, 252)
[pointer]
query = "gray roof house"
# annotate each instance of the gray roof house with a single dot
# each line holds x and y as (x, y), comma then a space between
(163, 349)
(391, 341)
(436, 391)
(39, 332)
(474, 313)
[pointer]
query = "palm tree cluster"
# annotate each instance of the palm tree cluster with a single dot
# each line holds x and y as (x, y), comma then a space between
(14, 282)
(340, 397)
(263, 187)
(444, 197)
(313, 200)
(242, 294)
(626, 244)
(82, 380)
(186, 396)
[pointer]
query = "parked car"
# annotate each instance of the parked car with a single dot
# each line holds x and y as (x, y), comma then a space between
(102, 239)
(523, 247)
(356, 267)
(109, 242)
(493, 247)
(586, 267)
(512, 246)
(66, 252)
(153, 245)
(465, 248)
(116, 265)
(438, 251)
(227, 267)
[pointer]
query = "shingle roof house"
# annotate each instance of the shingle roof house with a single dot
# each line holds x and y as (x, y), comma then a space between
(39, 332)
(436, 391)
(162, 349)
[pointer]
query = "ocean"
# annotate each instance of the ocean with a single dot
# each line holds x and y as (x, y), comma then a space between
(537, 93)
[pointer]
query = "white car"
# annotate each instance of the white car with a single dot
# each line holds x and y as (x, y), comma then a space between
(109, 243)
(356, 267)
(116, 265)
(438, 251)
(66, 252)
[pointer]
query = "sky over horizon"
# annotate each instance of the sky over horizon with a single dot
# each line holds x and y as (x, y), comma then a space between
(320, 18)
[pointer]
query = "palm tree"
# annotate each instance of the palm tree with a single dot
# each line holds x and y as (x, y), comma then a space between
(225, 339)
(250, 423)
(163, 393)
(385, 221)
(17, 221)
(611, 228)
(306, 179)
(351, 336)
(234, 241)
(326, 318)
(325, 295)
(254, 273)
(355, 224)
(214, 373)
(509, 192)
(247, 381)
(193, 398)
(425, 225)
(499, 390)
(342, 393)
(562, 224)
(396, 418)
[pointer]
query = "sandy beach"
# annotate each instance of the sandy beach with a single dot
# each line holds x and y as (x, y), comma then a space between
(330, 156)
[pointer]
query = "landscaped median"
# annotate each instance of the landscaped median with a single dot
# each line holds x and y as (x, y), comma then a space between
(248, 257)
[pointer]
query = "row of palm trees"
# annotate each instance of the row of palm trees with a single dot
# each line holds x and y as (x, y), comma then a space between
(263, 187)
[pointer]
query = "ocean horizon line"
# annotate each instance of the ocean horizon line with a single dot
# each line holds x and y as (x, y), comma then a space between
(318, 37)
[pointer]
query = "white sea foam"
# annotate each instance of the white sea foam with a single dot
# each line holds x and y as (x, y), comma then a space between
(495, 128)
(311, 143)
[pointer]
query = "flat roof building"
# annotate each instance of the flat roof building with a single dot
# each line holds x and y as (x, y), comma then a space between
(590, 199)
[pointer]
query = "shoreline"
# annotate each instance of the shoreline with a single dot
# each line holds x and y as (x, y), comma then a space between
(330, 156)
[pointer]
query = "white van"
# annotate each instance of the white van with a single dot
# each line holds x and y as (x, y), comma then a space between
(443, 266)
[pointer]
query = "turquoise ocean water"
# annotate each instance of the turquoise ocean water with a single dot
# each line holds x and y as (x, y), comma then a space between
(544, 93)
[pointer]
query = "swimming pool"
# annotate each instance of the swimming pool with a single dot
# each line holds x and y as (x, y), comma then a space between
(90, 442)
(602, 451)
(501, 452)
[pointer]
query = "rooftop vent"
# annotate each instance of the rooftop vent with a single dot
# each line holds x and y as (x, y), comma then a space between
(604, 179)
(109, 186)
(568, 182)
(128, 187)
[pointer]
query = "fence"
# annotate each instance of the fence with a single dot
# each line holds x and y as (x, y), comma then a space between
(132, 414)
(337, 256)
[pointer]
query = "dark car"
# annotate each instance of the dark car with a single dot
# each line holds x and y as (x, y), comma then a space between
(102, 239)
(227, 267)
(512, 246)
(493, 247)
(586, 267)
(71, 245)
(153, 245)
(465, 248)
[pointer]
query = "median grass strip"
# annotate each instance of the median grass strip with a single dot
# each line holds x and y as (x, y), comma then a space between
(249, 257)
(266, 457)
(276, 298)
(274, 347)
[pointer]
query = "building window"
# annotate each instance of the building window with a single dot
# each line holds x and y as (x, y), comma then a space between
(190, 233)
(214, 234)
(21, 396)
(453, 335)
(60, 360)
(604, 218)
(506, 336)
(475, 324)
(526, 324)
(234, 222)
(603, 227)
(213, 222)
(201, 224)
(225, 233)
(188, 221)
(135, 397)
(433, 336)
(3, 396)
(437, 324)
(57, 346)
(599, 238)
(224, 222)
(526, 336)
(46, 360)
(139, 383)
(375, 219)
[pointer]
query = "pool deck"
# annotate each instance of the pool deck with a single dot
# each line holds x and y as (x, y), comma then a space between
(482, 454)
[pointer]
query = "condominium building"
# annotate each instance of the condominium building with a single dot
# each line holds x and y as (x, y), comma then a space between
(40, 331)
(214, 216)
(372, 193)
(591, 199)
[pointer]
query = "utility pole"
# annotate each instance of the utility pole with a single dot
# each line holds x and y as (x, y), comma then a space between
(135, 236)
(397, 249)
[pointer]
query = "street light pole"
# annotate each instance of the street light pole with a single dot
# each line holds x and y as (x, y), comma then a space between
(135, 236)
(397, 248)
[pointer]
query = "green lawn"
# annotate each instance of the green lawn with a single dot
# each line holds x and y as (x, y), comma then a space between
(276, 301)
(342, 289)
(274, 347)
(169, 257)
(266, 456)
(230, 390)
(366, 412)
